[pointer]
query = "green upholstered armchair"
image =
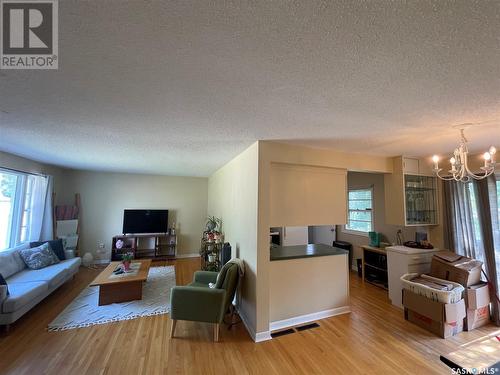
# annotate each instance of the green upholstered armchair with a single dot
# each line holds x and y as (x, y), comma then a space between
(198, 302)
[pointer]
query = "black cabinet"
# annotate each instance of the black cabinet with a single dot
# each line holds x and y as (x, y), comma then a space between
(375, 266)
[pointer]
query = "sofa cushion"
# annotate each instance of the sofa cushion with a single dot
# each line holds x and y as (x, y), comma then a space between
(56, 246)
(3, 293)
(23, 293)
(39, 257)
(3, 284)
(72, 264)
(11, 262)
(53, 275)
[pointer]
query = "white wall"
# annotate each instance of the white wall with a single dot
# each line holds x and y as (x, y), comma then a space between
(233, 196)
(104, 196)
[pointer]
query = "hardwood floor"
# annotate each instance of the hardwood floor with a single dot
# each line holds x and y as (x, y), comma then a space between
(373, 339)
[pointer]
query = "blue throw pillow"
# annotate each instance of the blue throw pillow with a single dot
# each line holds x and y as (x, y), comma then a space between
(39, 257)
(56, 246)
(3, 283)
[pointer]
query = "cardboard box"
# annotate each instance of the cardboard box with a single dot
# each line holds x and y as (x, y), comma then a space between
(453, 267)
(478, 306)
(478, 296)
(443, 319)
(478, 317)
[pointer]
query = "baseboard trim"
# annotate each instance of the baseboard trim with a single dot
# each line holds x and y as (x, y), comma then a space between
(190, 255)
(263, 336)
(256, 336)
(307, 318)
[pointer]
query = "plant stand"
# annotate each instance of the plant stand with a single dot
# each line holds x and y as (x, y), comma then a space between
(209, 248)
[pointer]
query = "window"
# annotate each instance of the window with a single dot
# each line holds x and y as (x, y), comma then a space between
(360, 211)
(16, 206)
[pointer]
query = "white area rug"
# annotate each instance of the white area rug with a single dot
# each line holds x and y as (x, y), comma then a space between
(85, 312)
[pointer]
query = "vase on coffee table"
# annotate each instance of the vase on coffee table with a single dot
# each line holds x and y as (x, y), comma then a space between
(126, 260)
(126, 265)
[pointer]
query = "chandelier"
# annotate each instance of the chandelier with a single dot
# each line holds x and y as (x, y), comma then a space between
(459, 161)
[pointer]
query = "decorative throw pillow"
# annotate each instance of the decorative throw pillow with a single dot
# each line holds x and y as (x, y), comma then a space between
(4, 289)
(39, 257)
(56, 246)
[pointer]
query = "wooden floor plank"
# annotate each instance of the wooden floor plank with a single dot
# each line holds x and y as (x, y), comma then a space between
(373, 339)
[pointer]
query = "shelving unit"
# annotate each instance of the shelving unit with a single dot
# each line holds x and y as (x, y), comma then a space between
(211, 248)
(158, 246)
(374, 266)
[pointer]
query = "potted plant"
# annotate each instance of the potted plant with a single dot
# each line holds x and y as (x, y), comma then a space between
(211, 224)
(213, 229)
(126, 260)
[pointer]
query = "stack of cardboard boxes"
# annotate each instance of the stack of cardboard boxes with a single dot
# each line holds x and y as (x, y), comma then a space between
(448, 319)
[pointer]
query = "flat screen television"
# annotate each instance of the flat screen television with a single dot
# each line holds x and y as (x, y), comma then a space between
(145, 221)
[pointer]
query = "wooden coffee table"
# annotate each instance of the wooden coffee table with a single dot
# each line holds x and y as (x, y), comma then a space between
(121, 289)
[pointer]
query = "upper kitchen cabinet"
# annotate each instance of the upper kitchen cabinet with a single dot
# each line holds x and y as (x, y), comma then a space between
(411, 194)
(304, 195)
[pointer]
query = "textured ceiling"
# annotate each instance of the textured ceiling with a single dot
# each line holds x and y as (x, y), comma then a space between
(181, 87)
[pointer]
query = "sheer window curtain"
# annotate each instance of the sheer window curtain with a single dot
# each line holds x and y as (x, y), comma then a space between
(47, 231)
(40, 209)
(471, 228)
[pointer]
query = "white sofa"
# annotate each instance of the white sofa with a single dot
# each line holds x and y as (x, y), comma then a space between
(28, 287)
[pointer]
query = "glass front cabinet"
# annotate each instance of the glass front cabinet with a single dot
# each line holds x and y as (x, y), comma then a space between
(411, 194)
(420, 200)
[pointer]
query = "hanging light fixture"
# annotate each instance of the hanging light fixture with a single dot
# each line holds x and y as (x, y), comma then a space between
(460, 170)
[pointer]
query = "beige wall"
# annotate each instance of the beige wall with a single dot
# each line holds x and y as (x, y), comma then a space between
(233, 196)
(298, 196)
(308, 286)
(27, 165)
(376, 180)
(104, 196)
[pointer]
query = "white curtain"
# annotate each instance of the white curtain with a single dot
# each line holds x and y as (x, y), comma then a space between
(47, 232)
(36, 204)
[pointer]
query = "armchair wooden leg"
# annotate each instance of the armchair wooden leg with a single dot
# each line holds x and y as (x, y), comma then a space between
(172, 328)
(216, 332)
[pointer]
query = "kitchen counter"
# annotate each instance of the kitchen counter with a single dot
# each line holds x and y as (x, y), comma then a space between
(304, 251)
(307, 283)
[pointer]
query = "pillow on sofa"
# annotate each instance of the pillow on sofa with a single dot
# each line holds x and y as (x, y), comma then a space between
(11, 262)
(56, 246)
(39, 257)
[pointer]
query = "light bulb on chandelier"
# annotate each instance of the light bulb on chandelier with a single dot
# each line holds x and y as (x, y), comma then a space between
(460, 170)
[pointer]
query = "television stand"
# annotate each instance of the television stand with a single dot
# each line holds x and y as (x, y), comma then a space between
(156, 246)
